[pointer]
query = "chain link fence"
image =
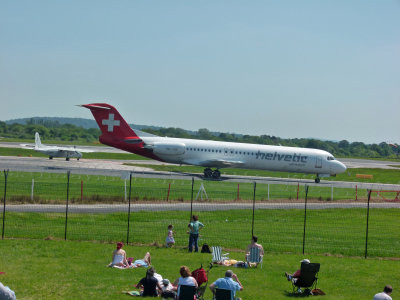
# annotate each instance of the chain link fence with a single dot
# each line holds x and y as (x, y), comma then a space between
(295, 217)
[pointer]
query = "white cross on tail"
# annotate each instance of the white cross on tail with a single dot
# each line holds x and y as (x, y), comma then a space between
(110, 122)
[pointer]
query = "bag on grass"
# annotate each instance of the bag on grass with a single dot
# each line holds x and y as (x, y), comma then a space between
(205, 249)
(318, 292)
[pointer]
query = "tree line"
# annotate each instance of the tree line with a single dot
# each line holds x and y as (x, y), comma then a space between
(52, 130)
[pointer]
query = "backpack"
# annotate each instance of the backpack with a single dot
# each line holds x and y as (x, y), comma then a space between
(205, 249)
(200, 275)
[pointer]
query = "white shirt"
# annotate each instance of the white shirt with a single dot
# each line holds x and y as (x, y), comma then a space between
(186, 281)
(382, 296)
(6, 293)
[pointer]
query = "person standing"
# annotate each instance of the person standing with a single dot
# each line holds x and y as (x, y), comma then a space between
(385, 295)
(230, 282)
(170, 241)
(194, 227)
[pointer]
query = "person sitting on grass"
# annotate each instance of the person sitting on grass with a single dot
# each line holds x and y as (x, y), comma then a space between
(254, 244)
(119, 257)
(149, 284)
(230, 282)
(185, 279)
(168, 290)
(385, 295)
(296, 275)
(145, 262)
(6, 293)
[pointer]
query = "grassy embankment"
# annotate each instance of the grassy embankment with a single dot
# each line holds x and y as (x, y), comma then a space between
(39, 269)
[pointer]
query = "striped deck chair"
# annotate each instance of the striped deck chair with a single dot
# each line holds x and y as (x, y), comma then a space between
(255, 256)
(217, 255)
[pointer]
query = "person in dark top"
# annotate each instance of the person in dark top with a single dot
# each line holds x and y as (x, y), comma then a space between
(149, 284)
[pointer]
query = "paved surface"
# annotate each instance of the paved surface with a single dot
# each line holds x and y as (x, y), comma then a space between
(367, 163)
(117, 168)
(349, 162)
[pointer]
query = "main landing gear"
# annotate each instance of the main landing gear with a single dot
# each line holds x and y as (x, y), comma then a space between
(208, 173)
(317, 180)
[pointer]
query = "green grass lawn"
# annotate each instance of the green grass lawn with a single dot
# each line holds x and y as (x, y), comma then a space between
(328, 231)
(52, 188)
(48, 269)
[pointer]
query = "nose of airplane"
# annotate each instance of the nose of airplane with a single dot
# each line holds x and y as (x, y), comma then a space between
(340, 167)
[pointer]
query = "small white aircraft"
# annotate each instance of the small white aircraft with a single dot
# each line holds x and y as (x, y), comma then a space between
(55, 151)
(211, 154)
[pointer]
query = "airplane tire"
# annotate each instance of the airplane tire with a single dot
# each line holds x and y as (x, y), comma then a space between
(216, 174)
(317, 180)
(50, 157)
(67, 159)
(208, 173)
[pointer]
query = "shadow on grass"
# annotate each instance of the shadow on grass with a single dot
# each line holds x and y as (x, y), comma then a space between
(295, 294)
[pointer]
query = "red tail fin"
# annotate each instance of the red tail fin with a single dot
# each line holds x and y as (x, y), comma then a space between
(110, 121)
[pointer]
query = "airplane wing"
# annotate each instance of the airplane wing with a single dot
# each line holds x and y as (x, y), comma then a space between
(216, 163)
(73, 149)
(28, 146)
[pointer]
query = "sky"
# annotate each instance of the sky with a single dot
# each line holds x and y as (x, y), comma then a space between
(293, 69)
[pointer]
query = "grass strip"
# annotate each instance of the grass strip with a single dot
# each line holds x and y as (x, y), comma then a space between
(330, 231)
(51, 188)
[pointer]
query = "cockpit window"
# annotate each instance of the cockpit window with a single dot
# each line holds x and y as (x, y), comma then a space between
(331, 158)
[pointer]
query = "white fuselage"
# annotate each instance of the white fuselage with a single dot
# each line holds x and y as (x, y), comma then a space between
(59, 152)
(247, 156)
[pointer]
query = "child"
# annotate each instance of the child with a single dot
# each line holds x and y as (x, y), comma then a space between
(167, 290)
(170, 237)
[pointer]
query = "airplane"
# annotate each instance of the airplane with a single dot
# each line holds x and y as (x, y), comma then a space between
(211, 154)
(55, 151)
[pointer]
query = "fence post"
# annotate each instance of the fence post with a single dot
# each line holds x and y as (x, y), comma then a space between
(33, 186)
(356, 192)
(332, 192)
(305, 218)
(238, 193)
(298, 189)
(66, 208)
(366, 236)
(81, 191)
(191, 201)
(169, 189)
(125, 188)
(4, 201)
(129, 205)
(254, 204)
(268, 191)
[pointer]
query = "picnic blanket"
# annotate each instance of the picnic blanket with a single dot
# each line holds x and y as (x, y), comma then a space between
(132, 293)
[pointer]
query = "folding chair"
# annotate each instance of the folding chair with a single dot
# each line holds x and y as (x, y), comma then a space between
(308, 278)
(217, 255)
(186, 292)
(222, 294)
(255, 256)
